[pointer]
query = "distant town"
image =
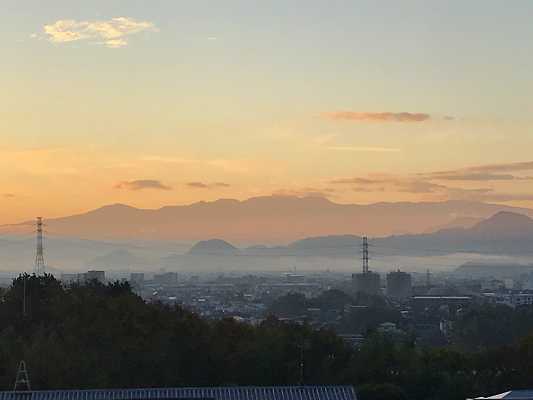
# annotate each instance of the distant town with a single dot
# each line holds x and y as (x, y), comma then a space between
(425, 305)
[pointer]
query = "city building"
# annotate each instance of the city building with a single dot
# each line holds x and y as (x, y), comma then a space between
(510, 299)
(399, 285)
(367, 282)
(70, 278)
(93, 276)
(294, 278)
(166, 278)
(433, 304)
(84, 277)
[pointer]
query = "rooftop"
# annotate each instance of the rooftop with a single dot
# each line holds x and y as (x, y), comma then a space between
(216, 393)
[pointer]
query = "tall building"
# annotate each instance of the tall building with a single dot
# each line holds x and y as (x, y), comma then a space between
(83, 277)
(367, 282)
(399, 285)
(93, 276)
(70, 278)
(166, 278)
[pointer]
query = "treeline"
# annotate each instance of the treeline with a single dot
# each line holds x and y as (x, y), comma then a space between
(97, 336)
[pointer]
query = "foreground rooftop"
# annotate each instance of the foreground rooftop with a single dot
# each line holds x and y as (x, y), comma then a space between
(190, 393)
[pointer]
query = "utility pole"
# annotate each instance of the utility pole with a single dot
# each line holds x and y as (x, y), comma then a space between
(39, 267)
(24, 297)
(22, 382)
(365, 255)
(301, 364)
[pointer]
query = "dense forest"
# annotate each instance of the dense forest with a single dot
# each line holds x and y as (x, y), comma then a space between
(96, 336)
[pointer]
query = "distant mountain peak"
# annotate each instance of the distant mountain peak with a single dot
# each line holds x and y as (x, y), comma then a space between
(505, 223)
(114, 207)
(508, 216)
(213, 247)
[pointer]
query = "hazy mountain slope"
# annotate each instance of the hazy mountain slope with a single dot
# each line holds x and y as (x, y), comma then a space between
(505, 232)
(271, 220)
(119, 258)
(213, 247)
(496, 270)
(460, 222)
(71, 254)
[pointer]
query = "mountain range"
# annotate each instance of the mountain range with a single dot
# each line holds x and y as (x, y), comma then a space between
(266, 220)
(503, 233)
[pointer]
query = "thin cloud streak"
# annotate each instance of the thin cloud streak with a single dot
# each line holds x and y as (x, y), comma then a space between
(356, 116)
(509, 167)
(365, 149)
(142, 184)
(491, 172)
(305, 192)
(203, 185)
(423, 184)
(472, 176)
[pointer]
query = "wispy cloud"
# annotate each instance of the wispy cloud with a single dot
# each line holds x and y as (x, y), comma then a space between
(491, 172)
(357, 181)
(8, 196)
(168, 160)
(419, 186)
(508, 167)
(503, 197)
(203, 185)
(111, 33)
(391, 183)
(431, 186)
(305, 192)
(356, 116)
(142, 184)
(365, 149)
(471, 176)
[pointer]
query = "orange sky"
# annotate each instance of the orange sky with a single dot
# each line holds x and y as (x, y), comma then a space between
(152, 106)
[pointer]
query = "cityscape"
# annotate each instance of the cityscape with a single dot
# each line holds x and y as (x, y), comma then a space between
(266, 200)
(424, 306)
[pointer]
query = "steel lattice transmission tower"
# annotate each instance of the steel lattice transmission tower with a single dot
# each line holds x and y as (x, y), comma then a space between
(22, 382)
(39, 267)
(365, 255)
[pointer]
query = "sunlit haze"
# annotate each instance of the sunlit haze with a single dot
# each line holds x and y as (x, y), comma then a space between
(173, 102)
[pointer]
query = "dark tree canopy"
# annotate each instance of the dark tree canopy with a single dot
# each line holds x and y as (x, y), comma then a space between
(96, 336)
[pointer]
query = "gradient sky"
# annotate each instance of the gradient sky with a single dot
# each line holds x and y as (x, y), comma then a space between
(163, 102)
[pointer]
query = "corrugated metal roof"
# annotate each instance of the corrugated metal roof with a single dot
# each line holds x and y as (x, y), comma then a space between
(216, 393)
(526, 394)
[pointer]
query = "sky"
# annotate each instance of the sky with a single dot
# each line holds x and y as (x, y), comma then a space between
(160, 102)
